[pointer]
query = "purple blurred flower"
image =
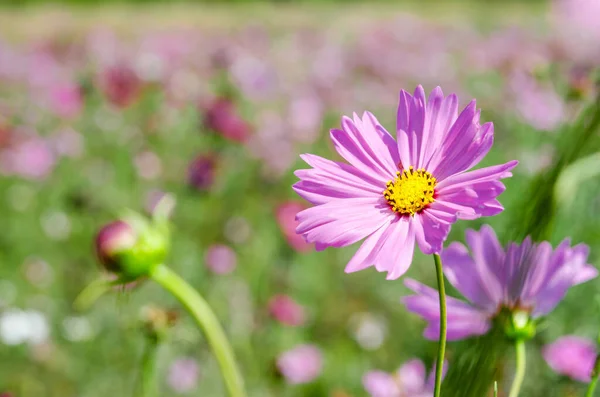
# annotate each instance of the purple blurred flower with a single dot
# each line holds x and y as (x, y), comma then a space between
(302, 364)
(398, 193)
(222, 117)
(66, 100)
(221, 259)
(572, 356)
(530, 278)
(408, 381)
(120, 84)
(286, 216)
(31, 158)
(285, 310)
(201, 171)
(183, 375)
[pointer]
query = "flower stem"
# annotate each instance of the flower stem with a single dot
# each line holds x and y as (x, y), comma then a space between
(439, 369)
(594, 382)
(208, 322)
(148, 375)
(520, 370)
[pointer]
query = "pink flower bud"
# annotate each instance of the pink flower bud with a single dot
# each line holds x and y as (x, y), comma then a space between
(286, 216)
(112, 240)
(201, 172)
(285, 310)
(221, 116)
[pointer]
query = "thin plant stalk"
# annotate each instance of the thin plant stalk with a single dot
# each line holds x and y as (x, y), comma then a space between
(439, 369)
(594, 382)
(208, 322)
(148, 384)
(520, 368)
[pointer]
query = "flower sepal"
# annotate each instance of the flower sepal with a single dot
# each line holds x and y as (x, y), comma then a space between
(517, 324)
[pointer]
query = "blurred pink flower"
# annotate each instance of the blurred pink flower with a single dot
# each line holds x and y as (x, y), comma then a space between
(120, 84)
(571, 356)
(68, 143)
(221, 259)
(222, 117)
(285, 310)
(302, 364)
(286, 216)
(183, 375)
(66, 100)
(539, 106)
(201, 171)
(409, 381)
(31, 159)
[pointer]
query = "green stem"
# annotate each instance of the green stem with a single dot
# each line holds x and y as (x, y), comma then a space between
(439, 369)
(148, 376)
(206, 319)
(520, 370)
(594, 382)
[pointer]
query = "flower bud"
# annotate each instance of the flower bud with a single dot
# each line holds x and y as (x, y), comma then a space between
(114, 239)
(131, 249)
(519, 325)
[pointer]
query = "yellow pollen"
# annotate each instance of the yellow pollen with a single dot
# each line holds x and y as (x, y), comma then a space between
(411, 191)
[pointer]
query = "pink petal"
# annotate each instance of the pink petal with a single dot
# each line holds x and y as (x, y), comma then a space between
(369, 251)
(460, 270)
(397, 252)
(342, 222)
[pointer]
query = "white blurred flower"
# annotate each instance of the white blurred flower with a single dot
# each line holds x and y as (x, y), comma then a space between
(23, 326)
(368, 330)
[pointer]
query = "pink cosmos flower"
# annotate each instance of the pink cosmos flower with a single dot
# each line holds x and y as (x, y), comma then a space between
(302, 364)
(285, 310)
(532, 278)
(396, 193)
(409, 381)
(572, 356)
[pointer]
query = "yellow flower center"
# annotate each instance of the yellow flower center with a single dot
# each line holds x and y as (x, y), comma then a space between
(411, 191)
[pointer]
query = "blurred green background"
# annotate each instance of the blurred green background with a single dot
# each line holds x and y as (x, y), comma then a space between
(104, 108)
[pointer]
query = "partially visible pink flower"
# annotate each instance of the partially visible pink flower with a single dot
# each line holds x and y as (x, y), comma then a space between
(31, 158)
(286, 216)
(302, 364)
(68, 143)
(66, 100)
(395, 194)
(409, 381)
(201, 171)
(221, 259)
(120, 84)
(572, 356)
(285, 310)
(183, 375)
(527, 277)
(222, 117)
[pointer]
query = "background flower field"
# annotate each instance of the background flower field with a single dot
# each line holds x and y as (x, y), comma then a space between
(109, 107)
